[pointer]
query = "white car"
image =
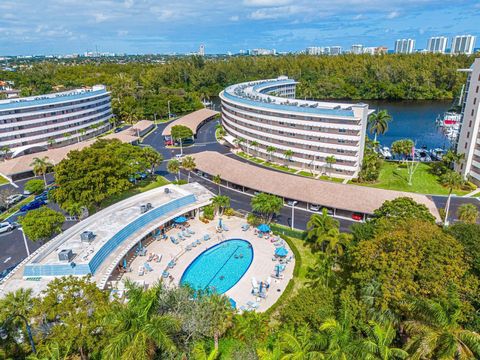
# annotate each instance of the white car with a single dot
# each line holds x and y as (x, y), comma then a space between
(5, 227)
(12, 199)
(314, 207)
(178, 156)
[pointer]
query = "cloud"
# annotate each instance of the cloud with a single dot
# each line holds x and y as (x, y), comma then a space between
(128, 3)
(274, 13)
(266, 3)
(358, 17)
(122, 32)
(234, 18)
(100, 17)
(393, 14)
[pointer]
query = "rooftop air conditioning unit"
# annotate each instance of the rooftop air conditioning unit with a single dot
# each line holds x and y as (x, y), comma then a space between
(145, 207)
(65, 255)
(87, 236)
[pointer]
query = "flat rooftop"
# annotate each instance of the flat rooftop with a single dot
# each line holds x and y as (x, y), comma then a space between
(192, 121)
(53, 98)
(349, 197)
(256, 93)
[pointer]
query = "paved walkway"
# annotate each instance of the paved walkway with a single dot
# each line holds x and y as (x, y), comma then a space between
(473, 193)
(261, 269)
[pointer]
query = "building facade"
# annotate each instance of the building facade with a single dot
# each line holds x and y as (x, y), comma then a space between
(35, 123)
(463, 44)
(437, 44)
(266, 120)
(469, 139)
(404, 46)
(357, 49)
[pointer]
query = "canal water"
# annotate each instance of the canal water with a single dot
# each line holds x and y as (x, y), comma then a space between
(410, 119)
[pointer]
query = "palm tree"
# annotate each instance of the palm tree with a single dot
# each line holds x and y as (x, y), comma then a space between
(40, 167)
(340, 335)
(330, 160)
(5, 150)
(436, 334)
(240, 142)
(200, 353)
(452, 180)
(378, 123)
(217, 180)
(288, 156)
(318, 227)
(270, 151)
(452, 158)
(321, 273)
(299, 345)
(51, 142)
(220, 313)
(254, 144)
(19, 302)
(377, 343)
(135, 328)
(173, 167)
(188, 163)
(336, 243)
(251, 327)
(67, 136)
(221, 202)
(468, 213)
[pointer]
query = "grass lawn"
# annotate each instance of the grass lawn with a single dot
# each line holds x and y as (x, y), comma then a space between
(394, 176)
(16, 207)
(3, 180)
(280, 167)
(326, 178)
(306, 173)
(308, 260)
(141, 187)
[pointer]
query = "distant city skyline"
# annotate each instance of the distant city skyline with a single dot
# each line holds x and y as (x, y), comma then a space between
(145, 26)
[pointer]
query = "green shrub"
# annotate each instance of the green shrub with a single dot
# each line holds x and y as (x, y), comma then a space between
(229, 212)
(281, 229)
(253, 220)
(209, 212)
(180, 182)
(35, 186)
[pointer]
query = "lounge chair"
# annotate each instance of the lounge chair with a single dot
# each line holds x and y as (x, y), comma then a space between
(147, 267)
(185, 233)
(189, 247)
(206, 237)
(141, 270)
(180, 236)
(190, 231)
(159, 258)
(245, 227)
(253, 304)
(171, 264)
(194, 244)
(175, 241)
(165, 274)
(198, 242)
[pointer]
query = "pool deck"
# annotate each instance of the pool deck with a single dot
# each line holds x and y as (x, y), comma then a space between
(261, 269)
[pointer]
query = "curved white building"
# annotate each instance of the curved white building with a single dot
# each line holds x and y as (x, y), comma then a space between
(34, 123)
(266, 115)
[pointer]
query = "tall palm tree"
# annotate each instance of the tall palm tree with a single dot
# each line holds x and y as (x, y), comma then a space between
(18, 302)
(319, 225)
(378, 123)
(220, 314)
(173, 167)
(336, 243)
(217, 180)
(452, 180)
(437, 334)
(200, 353)
(299, 345)
(188, 163)
(270, 151)
(5, 150)
(468, 213)
(342, 344)
(40, 167)
(251, 327)
(377, 345)
(135, 328)
(330, 160)
(254, 144)
(221, 202)
(288, 156)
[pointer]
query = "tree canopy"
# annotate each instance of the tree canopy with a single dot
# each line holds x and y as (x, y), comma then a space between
(42, 223)
(403, 208)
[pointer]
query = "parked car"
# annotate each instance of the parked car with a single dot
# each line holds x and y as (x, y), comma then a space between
(118, 129)
(168, 142)
(357, 217)
(178, 156)
(32, 205)
(43, 196)
(291, 202)
(13, 199)
(5, 227)
(314, 207)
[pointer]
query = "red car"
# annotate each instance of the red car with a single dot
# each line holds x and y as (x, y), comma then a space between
(357, 216)
(168, 142)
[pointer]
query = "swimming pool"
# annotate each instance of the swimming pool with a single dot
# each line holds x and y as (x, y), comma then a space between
(220, 267)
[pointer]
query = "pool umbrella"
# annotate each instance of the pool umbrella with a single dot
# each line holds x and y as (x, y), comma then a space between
(260, 290)
(264, 228)
(220, 223)
(233, 303)
(140, 245)
(282, 252)
(124, 263)
(277, 270)
(180, 219)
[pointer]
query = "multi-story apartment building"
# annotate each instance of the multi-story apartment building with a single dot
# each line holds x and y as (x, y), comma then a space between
(469, 139)
(265, 119)
(357, 49)
(335, 50)
(314, 50)
(463, 44)
(404, 46)
(437, 44)
(34, 123)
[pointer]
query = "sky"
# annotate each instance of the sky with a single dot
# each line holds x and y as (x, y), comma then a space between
(43, 27)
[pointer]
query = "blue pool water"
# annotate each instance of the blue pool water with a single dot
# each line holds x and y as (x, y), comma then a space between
(220, 267)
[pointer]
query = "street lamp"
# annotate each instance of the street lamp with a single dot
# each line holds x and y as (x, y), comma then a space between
(25, 240)
(4, 333)
(293, 212)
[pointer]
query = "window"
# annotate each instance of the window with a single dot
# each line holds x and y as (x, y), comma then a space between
(466, 145)
(470, 123)
(473, 111)
(342, 130)
(477, 89)
(468, 134)
(474, 101)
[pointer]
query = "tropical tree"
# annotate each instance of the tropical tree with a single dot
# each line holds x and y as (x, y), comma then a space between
(254, 144)
(451, 180)
(219, 313)
(287, 154)
(199, 352)
(221, 202)
(251, 327)
(217, 180)
(51, 142)
(378, 123)
(5, 150)
(188, 163)
(42, 223)
(436, 333)
(403, 147)
(135, 329)
(181, 133)
(152, 157)
(240, 142)
(270, 151)
(377, 344)
(336, 243)
(318, 226)
(330, 160)
(300, 344)
(403, 208)
(342, 344)
(40, 167)
(468, 213)
(173, 167)
(267, 205)
(452, 158)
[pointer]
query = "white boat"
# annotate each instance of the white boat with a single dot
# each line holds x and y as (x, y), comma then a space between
(385, 152)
